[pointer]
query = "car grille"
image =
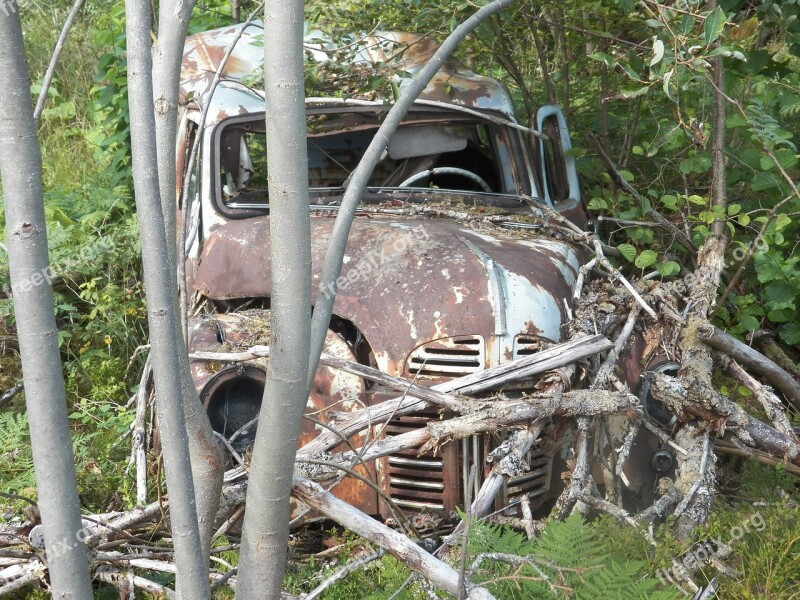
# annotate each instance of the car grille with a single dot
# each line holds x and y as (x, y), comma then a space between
(449, 357)
(534, 482)
(415, 482)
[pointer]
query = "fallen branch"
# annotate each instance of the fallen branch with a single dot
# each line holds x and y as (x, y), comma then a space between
(754, 360)
(398, 545)
(10, 394)
(771, 404)
(770, 348)
(546, 360)
(714, 408)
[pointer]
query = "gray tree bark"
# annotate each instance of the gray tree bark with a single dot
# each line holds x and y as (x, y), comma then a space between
(54, 467)
(162, 292)
(266, 523)
(323, 306)
(205, 453)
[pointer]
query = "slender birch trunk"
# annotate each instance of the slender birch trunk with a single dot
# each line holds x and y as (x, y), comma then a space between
(204, 450)
(266, 524)
(161, 291)
(323, 306)
(46, 403)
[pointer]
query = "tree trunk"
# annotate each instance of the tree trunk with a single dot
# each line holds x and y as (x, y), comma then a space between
(266, 524)
(205, 452)
(162, 292)
(54, 466)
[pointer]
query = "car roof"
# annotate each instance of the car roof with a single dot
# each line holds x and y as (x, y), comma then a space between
(405, 53)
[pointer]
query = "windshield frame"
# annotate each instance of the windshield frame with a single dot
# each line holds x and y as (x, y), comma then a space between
(516, 159)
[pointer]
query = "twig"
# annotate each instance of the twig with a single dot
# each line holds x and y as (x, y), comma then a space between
(462, 561)
(598, 249)
(18, 497)
(224, 579)
(342, 573)
(51, 68)
(223, 529)
(10, 394)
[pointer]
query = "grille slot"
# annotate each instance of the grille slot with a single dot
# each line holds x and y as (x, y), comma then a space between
(414, 483)
(532, 483)
(525, 345)
(450, 357)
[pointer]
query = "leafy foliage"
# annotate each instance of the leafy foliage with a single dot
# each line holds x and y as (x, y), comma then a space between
(568, 560)
(16, 461)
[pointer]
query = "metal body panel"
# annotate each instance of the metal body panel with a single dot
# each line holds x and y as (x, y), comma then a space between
(405, 283)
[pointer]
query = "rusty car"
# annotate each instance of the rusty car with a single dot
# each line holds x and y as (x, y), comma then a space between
(425, 296)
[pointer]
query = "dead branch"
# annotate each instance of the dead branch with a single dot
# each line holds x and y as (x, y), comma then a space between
(754, 360)
(513, 463)
(699, 400)
(10, 394)
(546, 360)
(581, 471)
(771, 404)
(772, 350)
(434, 570)
(353, 565)
(497, 415)
(113, 577)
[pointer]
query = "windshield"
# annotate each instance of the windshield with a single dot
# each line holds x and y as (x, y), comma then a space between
(454, 154)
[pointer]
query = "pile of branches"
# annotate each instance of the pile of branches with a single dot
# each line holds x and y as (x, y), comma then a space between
(575, 385)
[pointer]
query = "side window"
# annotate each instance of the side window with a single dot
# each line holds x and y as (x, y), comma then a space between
(554, 161)
(557, 165)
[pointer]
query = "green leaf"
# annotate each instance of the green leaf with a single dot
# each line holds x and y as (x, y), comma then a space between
(634, 93)
(781, 294)
(604, 58)
(670, 267)
(628, 251)
(734, 209)
(781, 221)
(698, 200)
(748, 322)
(767, 270)
(744, 219)
(597, 204)
(790, 333)
(671, 202)
(645, 259)
(715, 23)
(654, 23)
(658, 52)
(763, 181)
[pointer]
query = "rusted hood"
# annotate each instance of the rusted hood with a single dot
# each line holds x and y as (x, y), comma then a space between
(406, 282)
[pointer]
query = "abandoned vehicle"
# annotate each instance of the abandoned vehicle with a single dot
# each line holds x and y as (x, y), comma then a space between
(423, 295)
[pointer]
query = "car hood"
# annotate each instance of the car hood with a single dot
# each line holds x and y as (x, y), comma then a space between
(409, 281)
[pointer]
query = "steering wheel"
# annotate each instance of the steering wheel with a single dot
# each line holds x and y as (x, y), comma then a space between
(447, 171)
